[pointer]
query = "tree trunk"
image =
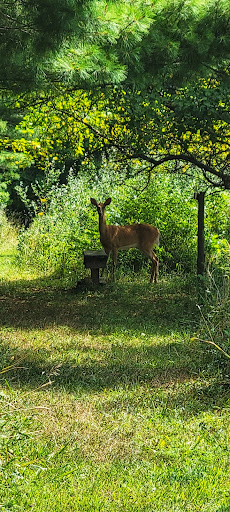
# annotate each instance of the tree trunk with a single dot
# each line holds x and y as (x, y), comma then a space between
(200, 234)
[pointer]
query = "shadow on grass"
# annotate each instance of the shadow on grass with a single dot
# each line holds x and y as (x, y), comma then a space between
(166, 374)
(124, 306)
(114, 315)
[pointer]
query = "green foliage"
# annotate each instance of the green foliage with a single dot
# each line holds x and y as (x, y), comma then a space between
(11, 162)
(66, 224)
(77, 47)
(30, 32)
(97, 42)
(38, 192)
(184, 37)
(218, 236)
(4, 194)
(185, 129)
(218, 213)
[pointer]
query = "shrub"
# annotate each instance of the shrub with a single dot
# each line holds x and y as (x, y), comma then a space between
(66, 224)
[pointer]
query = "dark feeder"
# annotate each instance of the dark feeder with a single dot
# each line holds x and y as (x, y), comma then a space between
(95, 260)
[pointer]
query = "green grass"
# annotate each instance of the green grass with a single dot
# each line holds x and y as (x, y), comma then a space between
(106, 402)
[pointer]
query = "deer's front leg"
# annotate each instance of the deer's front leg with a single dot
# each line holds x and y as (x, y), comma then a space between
(155, 264)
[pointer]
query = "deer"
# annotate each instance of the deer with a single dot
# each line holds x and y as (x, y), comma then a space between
(141, 236)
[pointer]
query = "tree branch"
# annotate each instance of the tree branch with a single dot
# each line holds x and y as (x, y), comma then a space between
(206, 169)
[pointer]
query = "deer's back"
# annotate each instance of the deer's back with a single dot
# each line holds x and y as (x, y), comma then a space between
(131, 235)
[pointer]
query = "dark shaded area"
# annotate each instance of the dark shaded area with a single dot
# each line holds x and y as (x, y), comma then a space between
(167, 373)
(111, 307)
(30, 31)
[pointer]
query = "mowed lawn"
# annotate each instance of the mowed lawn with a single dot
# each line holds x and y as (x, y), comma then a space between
(107, 401)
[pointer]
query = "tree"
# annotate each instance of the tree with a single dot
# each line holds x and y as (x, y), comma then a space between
(186, 129)
(94, 42)
(30, 31)
(150, 81)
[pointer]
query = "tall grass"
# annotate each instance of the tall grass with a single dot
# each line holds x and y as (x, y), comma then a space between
(214, 328)
(8, 232)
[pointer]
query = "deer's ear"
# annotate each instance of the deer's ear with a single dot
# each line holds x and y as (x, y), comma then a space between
(108, 201)
(93, 201)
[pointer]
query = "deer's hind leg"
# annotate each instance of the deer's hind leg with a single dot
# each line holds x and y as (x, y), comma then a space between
(155, 264)
(114, 258)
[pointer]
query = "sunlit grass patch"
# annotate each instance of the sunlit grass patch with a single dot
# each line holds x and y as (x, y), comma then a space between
(137, 446)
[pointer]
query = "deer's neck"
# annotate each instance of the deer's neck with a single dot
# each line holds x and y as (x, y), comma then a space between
(102, 225)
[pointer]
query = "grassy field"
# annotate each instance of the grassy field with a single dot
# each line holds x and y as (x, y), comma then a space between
(107, 402)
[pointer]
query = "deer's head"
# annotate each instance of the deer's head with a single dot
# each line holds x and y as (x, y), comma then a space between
(100, 206)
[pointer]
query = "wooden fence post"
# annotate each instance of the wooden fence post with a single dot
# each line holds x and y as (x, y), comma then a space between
(200, 234)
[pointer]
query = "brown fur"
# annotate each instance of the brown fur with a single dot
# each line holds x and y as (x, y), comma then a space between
(141, 236)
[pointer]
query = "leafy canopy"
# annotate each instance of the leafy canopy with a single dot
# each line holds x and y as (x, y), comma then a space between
(148, 80)
(96, 42)
(187, 129)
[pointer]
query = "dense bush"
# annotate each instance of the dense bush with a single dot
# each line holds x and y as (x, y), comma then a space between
(65, 223)
(174, 213)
